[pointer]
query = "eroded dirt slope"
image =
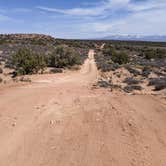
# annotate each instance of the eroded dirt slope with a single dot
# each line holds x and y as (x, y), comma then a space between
(58, 120)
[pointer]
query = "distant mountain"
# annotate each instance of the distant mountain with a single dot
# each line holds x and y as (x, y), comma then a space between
(155, 38)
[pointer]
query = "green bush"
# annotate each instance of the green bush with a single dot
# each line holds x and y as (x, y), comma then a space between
(155, 53)
(120, 58)
(27, 62)
(117, 57)
(64, 56)
(149, 54)
(109, 50)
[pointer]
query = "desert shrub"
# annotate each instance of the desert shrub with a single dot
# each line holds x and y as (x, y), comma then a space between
(104, 84)
(135, 72)
(115, 86)
(107, 84)
(155, 53)
(64, 56)
(27, 62)
(120, 58)
(146, 71)
(158, 83)
(130, 88)
(75, 67)
(1, 70)
(1, 80)
(117, 57)
(105, 66)
(14, 74)
(149, 54)
(109, 50)
(104, 63)
(23, 79)
(56, 70)
(131, 81)
(9, 63)
(160, 86)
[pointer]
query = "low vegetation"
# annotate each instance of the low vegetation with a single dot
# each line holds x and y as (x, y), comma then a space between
(110, 59)
(158, 83)
(130, 64)
(64, 56)
(154, 53)
(56, 70)
(131, 81)
(131, 88)
(27, 62)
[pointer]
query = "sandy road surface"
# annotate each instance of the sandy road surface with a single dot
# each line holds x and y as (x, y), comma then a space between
(58, 120)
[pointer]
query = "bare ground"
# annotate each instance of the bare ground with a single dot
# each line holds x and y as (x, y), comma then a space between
(58, 120)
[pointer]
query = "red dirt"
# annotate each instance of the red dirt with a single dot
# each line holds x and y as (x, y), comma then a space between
(58, 120)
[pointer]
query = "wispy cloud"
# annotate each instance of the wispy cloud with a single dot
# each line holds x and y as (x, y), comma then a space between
(4, 18)
(141, 23)
(94, 11)
(105, 7)
(115, 17)
(88, 20)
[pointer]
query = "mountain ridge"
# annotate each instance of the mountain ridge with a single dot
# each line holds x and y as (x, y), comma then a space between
(155, 38)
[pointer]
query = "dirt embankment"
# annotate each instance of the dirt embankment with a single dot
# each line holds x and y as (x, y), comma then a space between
(60, 120)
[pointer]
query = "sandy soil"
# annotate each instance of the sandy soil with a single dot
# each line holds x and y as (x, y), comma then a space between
(59, 120)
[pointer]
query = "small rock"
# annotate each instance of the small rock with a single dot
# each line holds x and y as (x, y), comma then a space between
(13, 124)
(129, 123)
(37, 107)
(51, 122)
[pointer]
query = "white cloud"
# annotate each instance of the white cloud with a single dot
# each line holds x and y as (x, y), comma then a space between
(105, 7)
(137, 17)
(147, 22)
(77, 11)
(106, 17)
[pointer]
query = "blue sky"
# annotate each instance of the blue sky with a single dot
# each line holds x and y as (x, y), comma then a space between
(83, 18)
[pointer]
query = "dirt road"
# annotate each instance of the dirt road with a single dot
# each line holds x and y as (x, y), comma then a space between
(58, 120)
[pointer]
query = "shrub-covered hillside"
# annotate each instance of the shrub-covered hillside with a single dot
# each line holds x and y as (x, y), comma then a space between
(132, 68)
